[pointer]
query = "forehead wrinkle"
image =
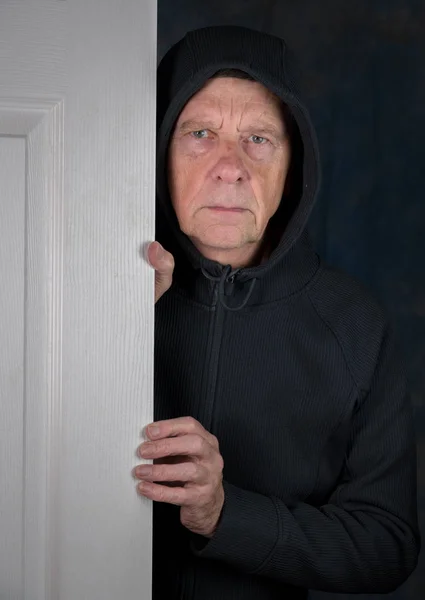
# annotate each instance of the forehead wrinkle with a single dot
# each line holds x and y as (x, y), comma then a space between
(214, 106)
(201, 110)
(214, 102)
(248, 106)
(265, 119)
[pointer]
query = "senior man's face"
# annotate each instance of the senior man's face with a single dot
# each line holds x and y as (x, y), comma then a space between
(228, 161)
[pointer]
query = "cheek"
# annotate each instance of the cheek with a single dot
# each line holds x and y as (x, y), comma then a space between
(179, 172)
(185, 178)
(270, 182)
(277, 180)
(278, 172)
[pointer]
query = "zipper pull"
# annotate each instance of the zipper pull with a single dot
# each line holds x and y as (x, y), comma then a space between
(229, 285)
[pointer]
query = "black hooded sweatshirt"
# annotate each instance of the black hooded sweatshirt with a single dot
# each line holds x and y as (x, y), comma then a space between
(292, 367)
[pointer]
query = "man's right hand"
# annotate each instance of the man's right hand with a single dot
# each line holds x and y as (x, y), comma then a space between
(163, 263)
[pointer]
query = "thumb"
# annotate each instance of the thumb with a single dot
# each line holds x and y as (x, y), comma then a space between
(163, 263)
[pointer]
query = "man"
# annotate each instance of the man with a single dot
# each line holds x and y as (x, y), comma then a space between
(283, 448)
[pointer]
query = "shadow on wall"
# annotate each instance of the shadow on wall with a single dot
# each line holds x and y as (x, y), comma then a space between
(362, 78)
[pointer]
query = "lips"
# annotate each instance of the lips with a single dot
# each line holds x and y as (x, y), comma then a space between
(226, 209)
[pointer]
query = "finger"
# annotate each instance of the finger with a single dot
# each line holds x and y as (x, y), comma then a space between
(171, 460)
(159, 258)
(162, 493)
(163, 263)
(176, 427)
(186, 445)
(188, 472)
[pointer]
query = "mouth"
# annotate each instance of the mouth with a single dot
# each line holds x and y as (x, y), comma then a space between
(226, 209)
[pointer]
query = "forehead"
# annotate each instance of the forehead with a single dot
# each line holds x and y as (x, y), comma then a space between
(234, 95)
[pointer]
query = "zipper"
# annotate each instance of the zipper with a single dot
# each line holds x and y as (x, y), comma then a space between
(212, 357)
(209, 385)
(215, 337)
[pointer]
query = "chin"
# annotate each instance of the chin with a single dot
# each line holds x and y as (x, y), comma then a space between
(222, 240)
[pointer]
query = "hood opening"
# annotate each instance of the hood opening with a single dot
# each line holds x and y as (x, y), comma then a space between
(183, 71)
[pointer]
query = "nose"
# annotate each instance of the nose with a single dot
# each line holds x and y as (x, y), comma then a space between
(229, 167)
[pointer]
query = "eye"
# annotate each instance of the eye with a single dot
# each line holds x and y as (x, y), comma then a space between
(200, 134)
(258, 140)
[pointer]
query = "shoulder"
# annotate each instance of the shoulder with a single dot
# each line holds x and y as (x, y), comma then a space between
(355, 318)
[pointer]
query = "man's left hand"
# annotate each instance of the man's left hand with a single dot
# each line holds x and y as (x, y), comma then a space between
(197, 467)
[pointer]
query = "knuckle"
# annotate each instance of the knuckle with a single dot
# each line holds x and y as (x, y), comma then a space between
(196, 497)
(178, 497)
(220, 462)
(161, 494)
(206, 475)
(171, 496)
(192, 471)
(185, 499)
(159, 472)
(214, 441)
(219, 482)
(166, 447)
(200, 445)
(191, 422)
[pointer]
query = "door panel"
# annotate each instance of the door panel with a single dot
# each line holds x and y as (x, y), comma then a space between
(77, 152)
(12, 266)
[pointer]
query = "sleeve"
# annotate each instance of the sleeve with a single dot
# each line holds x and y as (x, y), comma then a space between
(365, 539)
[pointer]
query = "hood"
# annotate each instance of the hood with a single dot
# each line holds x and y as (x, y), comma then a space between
(181, 73)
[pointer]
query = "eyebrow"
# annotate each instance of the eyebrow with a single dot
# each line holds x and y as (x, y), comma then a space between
(270, 130)
(261, 128)
(196, 125)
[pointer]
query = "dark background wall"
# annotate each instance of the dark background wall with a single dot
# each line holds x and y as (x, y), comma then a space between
(362, 70)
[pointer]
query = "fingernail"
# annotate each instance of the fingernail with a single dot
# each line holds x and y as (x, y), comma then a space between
(144, 449)
(153, 430)
(143, 471)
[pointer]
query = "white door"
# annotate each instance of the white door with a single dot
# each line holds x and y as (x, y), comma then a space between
(77, 145)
